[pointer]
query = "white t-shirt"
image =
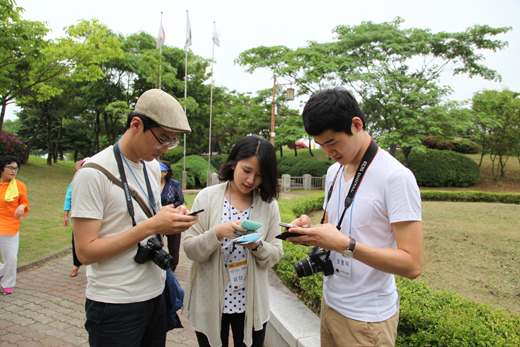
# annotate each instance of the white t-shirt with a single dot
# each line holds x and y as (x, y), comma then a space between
(387, 194)
(119, 279)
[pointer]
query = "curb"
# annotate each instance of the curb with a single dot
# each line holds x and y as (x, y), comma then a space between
(44, 259)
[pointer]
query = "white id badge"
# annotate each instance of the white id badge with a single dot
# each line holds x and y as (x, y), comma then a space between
(237, 272)
(342, 265)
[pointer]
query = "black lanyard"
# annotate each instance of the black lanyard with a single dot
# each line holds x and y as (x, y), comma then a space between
(126, 189)
(356, 181)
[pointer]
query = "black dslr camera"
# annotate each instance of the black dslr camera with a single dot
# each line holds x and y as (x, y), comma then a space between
(153, 251)
(318, 261)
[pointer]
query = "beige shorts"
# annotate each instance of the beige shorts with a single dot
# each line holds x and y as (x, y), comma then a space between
(339, 331)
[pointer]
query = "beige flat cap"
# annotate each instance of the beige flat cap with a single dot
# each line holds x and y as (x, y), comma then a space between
(163, 109)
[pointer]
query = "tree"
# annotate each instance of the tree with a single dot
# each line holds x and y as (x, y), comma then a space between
(394, 70)
(497, 125)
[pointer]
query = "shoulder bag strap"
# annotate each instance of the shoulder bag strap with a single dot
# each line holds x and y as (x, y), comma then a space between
(118, 182)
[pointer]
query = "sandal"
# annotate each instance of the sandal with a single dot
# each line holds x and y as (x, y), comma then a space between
(74, 271)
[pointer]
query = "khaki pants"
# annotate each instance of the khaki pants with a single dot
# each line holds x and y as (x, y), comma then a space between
(339, 331)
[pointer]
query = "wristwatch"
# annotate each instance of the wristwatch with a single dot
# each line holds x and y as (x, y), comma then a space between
(349, 252)
(259, 247)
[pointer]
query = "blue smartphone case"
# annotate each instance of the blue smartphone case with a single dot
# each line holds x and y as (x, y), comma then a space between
(250, 225)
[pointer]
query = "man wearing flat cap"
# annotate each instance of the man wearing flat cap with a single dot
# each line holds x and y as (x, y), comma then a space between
(125, 303)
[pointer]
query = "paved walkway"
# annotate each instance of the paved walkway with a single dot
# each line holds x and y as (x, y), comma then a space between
(47, 308)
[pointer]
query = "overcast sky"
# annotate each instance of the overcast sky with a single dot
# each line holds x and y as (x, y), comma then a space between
(243, 25)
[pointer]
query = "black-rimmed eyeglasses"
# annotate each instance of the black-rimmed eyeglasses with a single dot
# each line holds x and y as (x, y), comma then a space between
(12, 168)
(164, 144)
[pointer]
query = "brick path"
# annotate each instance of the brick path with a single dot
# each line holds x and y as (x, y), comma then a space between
(47, 308)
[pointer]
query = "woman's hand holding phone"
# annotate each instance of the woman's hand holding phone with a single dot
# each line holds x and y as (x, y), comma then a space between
(230, 230)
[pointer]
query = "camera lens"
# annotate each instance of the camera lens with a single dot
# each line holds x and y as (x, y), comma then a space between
(162, 259)
(305, 267)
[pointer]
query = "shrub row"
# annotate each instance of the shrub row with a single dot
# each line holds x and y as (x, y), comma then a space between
(435, 168)
(437, 195)
(459, 145)
(427, 317)
(296, 166)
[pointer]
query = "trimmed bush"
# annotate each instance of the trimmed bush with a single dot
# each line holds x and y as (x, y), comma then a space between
(174, 155)
(427, 317)
(460, 145)
(218, 160)
(438, 143)
(285, 164)
(296, 166)
(10, 145)
(465, 146)
(196, 171)
(436, 168)
(437, 195)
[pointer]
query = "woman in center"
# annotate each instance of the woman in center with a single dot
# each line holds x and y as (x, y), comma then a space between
(227, 285)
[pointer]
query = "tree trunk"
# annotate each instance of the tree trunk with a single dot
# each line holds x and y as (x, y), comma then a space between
(56, 151)
(406, 153)
(34, 136)
(393, 150)
(97, 130)
(295, 151)
(281, 152)
(50, 152)
(481, 157)
(2, 113)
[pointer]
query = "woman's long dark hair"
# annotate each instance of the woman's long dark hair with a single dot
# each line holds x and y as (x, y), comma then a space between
(247, 147)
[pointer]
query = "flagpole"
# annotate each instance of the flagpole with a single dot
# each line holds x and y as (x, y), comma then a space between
(160, 58)
(208, 183)
(184, 173)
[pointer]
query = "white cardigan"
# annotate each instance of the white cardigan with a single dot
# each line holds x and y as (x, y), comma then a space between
(208, 277)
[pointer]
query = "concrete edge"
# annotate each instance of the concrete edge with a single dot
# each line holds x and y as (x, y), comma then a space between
(41, 261)
(291, 323)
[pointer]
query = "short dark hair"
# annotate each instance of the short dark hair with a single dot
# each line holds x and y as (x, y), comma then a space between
(148, 123)
(250, 146)
(169, 173)
(8, 159)
(331, 109)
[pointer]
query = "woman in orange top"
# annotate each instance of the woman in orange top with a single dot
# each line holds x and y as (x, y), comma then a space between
(13, 206)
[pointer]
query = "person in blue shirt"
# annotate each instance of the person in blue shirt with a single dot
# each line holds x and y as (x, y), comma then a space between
(66, 211)
(171, 194)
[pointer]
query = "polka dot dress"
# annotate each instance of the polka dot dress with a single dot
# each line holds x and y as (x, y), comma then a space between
(234, 301)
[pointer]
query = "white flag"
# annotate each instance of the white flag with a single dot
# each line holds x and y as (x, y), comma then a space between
(215, 36)
(188, 32)
(161, 36)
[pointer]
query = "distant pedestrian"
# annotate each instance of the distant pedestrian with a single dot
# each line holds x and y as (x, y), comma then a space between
(13, 206)
(66, 211)
(171, 195)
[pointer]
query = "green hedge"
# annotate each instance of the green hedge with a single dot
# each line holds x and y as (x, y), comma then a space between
(296, 166)
(196, 171)
(427, 318)
(436, 168)
(438, 195)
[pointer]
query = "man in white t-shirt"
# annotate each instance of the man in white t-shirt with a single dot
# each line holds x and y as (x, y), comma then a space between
(125, 303)
(379, 236)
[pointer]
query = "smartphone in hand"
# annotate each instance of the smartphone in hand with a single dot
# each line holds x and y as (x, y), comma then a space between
(250, 225)
(285, 235)
(195, 212)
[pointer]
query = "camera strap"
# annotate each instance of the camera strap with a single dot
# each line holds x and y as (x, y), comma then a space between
(127, 190)
(369, 155)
